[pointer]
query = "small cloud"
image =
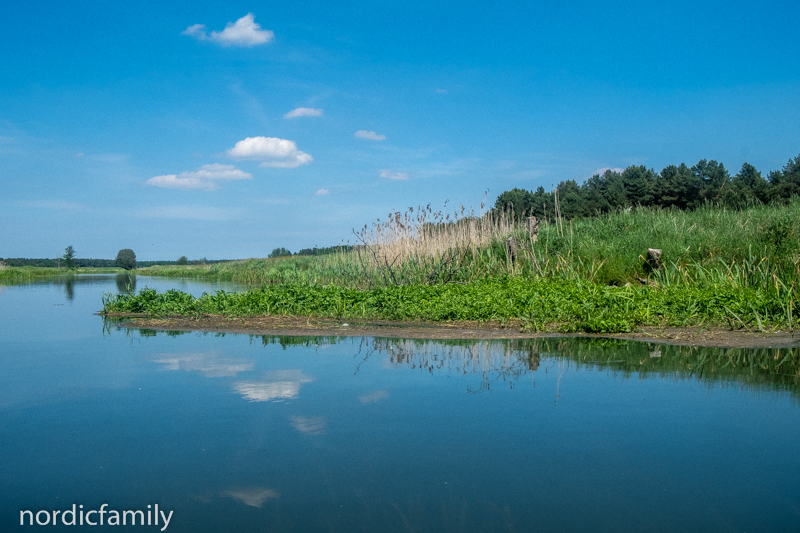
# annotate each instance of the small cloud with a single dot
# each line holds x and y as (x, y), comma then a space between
(399, 176)
(603, 170)
(205, 178)
(79, 154)
(322, 192)
(271, 151)
(252, 496)
(303, 112)
(371, 135)
(309, 426)
(441, 91)
(243, 32)
(374, 396)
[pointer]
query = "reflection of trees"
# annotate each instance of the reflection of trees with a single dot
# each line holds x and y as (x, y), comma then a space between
(509, 360)
(299, 340)
(492, 360)
(774, 368)
(126, 283)
(69, 287)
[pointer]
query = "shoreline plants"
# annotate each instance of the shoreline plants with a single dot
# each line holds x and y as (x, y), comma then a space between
(575, 259)
(738, 268)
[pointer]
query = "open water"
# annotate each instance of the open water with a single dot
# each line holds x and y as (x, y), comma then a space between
(238, 433)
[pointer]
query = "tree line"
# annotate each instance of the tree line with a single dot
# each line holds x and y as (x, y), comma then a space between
(97, 263)
(677, 187)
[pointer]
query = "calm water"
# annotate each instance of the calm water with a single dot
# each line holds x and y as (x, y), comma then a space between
(244, 433)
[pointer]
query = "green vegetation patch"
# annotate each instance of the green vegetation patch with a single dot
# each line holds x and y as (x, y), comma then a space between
(22, 274)
(541, 305)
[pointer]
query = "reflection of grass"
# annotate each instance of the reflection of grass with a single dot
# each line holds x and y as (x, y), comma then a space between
(509, 360)
(775, 369)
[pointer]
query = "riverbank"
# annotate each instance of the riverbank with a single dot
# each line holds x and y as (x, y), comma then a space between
(13, 274)
(306, 326)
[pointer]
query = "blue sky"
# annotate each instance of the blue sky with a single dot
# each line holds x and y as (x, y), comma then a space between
(226, 129)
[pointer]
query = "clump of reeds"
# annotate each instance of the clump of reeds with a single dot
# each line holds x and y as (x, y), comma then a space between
(426, 246)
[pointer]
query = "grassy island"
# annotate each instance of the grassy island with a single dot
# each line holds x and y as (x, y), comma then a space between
(733, 268)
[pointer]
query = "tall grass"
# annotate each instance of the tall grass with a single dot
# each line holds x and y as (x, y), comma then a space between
(758, 247)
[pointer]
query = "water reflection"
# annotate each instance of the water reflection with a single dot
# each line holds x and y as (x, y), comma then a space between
(310, 426)
(506, 361)
(126, 283)
(69, 287)
(374, 396)
(276, 386)
(210, 363)
(252, 496)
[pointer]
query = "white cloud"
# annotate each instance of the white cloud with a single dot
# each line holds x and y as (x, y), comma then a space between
(602, 171)
(243, 32)
(322, 192)
(371, 135)
(79, 154)
(271, 151)
(399, 176)
(303, 112)
(205, 178)
(441, 91)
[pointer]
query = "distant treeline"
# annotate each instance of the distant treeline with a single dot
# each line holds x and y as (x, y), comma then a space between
(96, 263)
(325, 251)
(678, 187)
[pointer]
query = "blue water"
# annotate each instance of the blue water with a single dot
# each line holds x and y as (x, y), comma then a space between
(243, 433)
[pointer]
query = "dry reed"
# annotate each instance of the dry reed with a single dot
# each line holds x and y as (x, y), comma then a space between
(427, 246)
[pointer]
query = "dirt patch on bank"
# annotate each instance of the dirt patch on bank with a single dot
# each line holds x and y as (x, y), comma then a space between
(300, 326)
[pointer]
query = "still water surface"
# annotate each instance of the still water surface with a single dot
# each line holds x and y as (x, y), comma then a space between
(248, 433)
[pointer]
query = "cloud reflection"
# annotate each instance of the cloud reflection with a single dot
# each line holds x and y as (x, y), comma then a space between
(277, 386)
(374, 396)
(252, 496)
(209, 363)
(310, 426)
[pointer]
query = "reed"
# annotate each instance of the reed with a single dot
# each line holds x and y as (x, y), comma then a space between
(734, 268)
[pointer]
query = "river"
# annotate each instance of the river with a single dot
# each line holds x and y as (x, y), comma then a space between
(248, 433)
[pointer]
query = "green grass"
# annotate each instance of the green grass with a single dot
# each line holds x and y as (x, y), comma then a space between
(541, 305)
(720, 267)
(249, 271)
(755, 247)
(25, 273)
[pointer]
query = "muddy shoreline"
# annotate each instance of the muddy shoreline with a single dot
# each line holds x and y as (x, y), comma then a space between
(302, 326)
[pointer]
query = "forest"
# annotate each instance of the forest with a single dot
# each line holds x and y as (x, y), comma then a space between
(675, 187)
